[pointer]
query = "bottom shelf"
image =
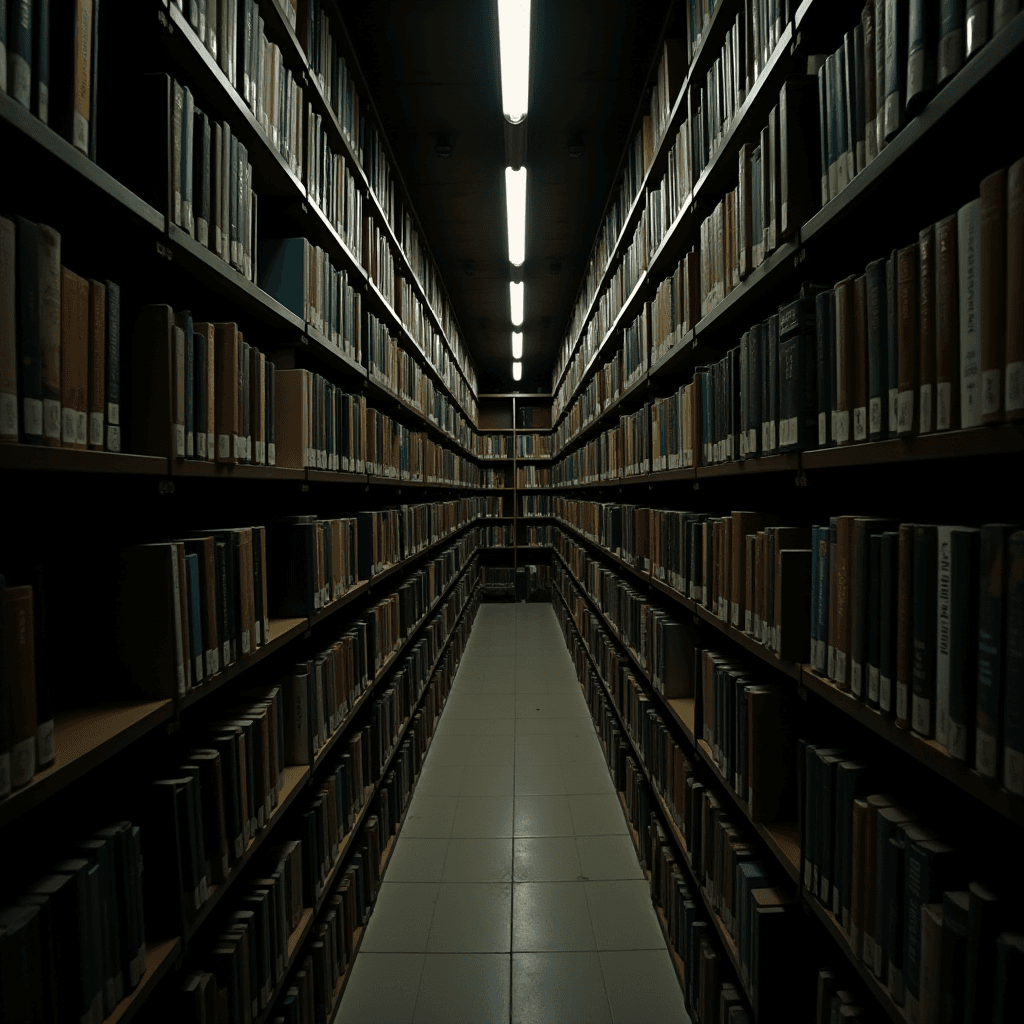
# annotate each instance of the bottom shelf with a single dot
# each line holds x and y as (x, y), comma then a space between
(159, 958)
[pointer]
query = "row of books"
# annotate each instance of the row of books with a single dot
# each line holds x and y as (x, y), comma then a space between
(621, 284)
(211, 183)
(497, 577)
(60, 345)
(322, 691)
(238, 970)
(529, 446)
(52, 68)
(492, 446)
(495, 478)
(74, 943)
(674, 308)
(535, 504)
(910, 903)
(310, 997)
(662, 646)
(378, 261)
(665, 762)
(332, 186)
(624, 369)
(888, 67)
(532, 475)
(619, 529)
(201, 819)
(496, 536)
(537, 536)
(923, 628)
(617, 452)
(839, 997)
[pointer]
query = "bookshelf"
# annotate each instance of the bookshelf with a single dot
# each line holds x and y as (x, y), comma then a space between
(77, 510)
(603, 395)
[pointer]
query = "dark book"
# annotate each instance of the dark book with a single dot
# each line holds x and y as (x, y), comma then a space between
(922, 44)
(18, 78)
(907, 339)
(986, 916)
(953, 957)
(895, 66)
(947, 324)
(105, 924)
(887, 821)
(798, 399)
(1013, 702)
(27, 316)
(852, 781)
(798, 138)
(1009, 988)
(895, 925)
(876, 349)
(21, 955)
(859, 360)
(860, 147)
(951, 39)
(891, 357)
(991, 659)
(823, 351)
(46, 671)
(930, 867)
(128, 949)
(978, 25)
(82, 921)
(924, 628)
(201, 177)
(94, 65)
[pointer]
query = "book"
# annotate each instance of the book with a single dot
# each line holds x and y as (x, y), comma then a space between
(71, 51)
(953, 955)
(947, 319)
(1013, 716)
(896, 12)
(926, 364)
(8, 331)
(922, 38)
(859, 361)
(924, 629)
(905, 625)
(992, 319)
(951, 39)
(968, 233)
(1013, 401)
(19, 678)
(978, 26)
(97, 364)
(50, 333)
(74, 359)
(908, 340)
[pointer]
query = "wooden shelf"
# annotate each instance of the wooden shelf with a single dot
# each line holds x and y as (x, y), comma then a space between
(928, 752)
(84, 739)
(359, 589)
(73, 460)
(160, 956)
(229, 471)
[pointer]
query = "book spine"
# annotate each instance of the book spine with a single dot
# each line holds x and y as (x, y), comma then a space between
(113, 368)
(907, 339)
(947, 392)
(926, 323)
(993, 295)
(876, 321)
(50, 332)
(969, 298)
(1014, 392)
(895, 65)
(991, 662)
(870, 130)
(97, 354)
(962, 654)
(977, 26)
(880, 51)
(924, 627)
(8, 331)
(19, 63)
(905, 623)
(1013, 714)
(951, 38)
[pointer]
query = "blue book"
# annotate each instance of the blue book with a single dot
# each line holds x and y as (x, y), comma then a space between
(41, 50)
(281, 265)
(876, 324)
(187, 114)
(19, 56)
(195, 628)
(749, 875)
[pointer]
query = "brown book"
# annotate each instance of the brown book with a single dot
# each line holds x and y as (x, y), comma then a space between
(904, 625)
(723, 568)
(744, 218)
(741, 523)
(691, 284)
(206, 332)
(19, 680)
(843, 595)
(947, 323)
(858, 835)
(779, 539)
(97, 362)
(844, 358)
(993, 295)
(769, 754)
(764, 576)
(50, 328)
(228, 415)
(907, 309)
(926, 290)
(248, 597)
(74, 359)
(869, 874)
(1014, 390)
(186, 648)
(8, 343)
(860, 358)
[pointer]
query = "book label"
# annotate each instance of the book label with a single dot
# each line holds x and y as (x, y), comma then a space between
(822, 429)
(943, 401)
(872, 684)
(875, 415)
(926, 408)
(211, 662)
(904, 412)
(69, 431)
(1014, 386)
(113, 438)
(843, 426)
(985, 745)
(23, 761)
(9, 415)
(856, 678)
(893, 417)
(179, 440)
(96, 429)
(224, 446)
(44, 745)
(922, 709)
(201, 444)
(51, 417)
(199, 668)
(901, 703)
(860, 428)
(991, 392)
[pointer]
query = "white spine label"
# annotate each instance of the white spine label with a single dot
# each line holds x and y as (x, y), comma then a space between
(860, 423)
(96, 428)
(872, 684)
(893, 418)
(875, 415)
(842, 426)
(991, 392)
(51, 416)
(943, 401)
(69, 426)
(822, 429)
(8, 415)
(1014, 386)
(921, 708)
(926, 408)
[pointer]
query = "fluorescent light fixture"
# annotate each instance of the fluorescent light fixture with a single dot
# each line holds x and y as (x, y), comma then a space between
(514, 47)
(517, 370)
(517, 344)
(515, 298)
(515, 208)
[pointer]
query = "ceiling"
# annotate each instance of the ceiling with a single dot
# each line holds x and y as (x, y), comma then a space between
(432, 69)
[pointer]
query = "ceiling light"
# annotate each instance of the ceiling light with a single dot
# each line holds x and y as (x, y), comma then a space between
(514, 51)
(515, 208)
(517, 371)
(515, 298)
(517, 344)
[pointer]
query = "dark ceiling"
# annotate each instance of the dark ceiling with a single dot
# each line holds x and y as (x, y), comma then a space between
(432, 69)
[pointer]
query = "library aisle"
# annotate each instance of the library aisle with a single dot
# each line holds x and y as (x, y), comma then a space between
(514, 893)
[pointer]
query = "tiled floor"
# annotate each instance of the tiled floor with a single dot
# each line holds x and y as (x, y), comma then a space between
(514, 892)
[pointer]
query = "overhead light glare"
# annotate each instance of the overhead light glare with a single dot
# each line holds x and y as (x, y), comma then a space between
(514, 54)
(515, 298)
(517, 344)
(517, 371)
(515, 208)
